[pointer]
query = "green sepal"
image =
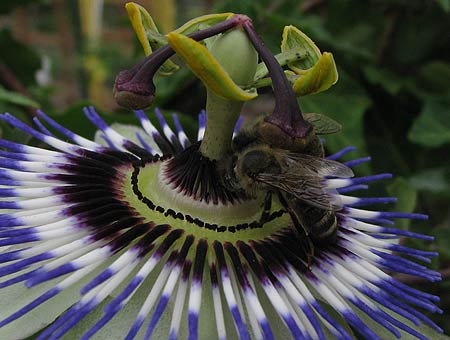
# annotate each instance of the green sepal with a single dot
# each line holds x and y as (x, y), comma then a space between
(202, 22)
(283, 59)
(207, 68)
(148, 34)
(319, 78)
(316, 71)
(323, 125)
(294, 39)
(267, 81)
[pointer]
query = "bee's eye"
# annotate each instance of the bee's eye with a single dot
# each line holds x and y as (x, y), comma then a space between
(256, 161)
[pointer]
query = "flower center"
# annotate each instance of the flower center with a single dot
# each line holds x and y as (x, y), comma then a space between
(185, 188)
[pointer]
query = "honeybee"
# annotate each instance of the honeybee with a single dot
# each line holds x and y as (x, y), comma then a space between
(296, 179)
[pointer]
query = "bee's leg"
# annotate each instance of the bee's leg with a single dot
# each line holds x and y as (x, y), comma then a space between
(310, 253)
(267, 206)
(308, 245)
(300, 228)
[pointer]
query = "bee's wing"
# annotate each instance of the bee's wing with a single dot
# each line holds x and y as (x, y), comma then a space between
(303, 186)
(315, 165)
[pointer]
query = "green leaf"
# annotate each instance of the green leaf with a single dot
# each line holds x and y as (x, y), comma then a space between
(442, 239)
(434, 77)
(19, 58)
(436, 180)
(16, 98)
(206, 67)
(346, 104)
(445, 4)
(432, 127)
(407, 198)
(387, 79)
(322, 124)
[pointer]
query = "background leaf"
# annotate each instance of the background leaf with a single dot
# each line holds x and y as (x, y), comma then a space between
(407, 198)
(19, 57)
(442, 236)
(436, 180)
(445, 4)
(16, 98)
(432, 127)
(346, 107)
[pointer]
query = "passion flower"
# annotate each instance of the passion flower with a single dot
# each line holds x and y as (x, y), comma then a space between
(163, 228)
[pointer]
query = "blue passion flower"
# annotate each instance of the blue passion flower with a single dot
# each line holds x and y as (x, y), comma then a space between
(157, 212)
(243, 233)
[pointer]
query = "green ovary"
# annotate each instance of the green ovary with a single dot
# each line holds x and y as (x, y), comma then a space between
(152, 184)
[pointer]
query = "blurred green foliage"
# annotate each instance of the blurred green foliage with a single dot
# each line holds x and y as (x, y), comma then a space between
(392, 97)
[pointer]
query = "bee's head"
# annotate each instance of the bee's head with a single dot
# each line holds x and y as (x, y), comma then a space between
(255, 161)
